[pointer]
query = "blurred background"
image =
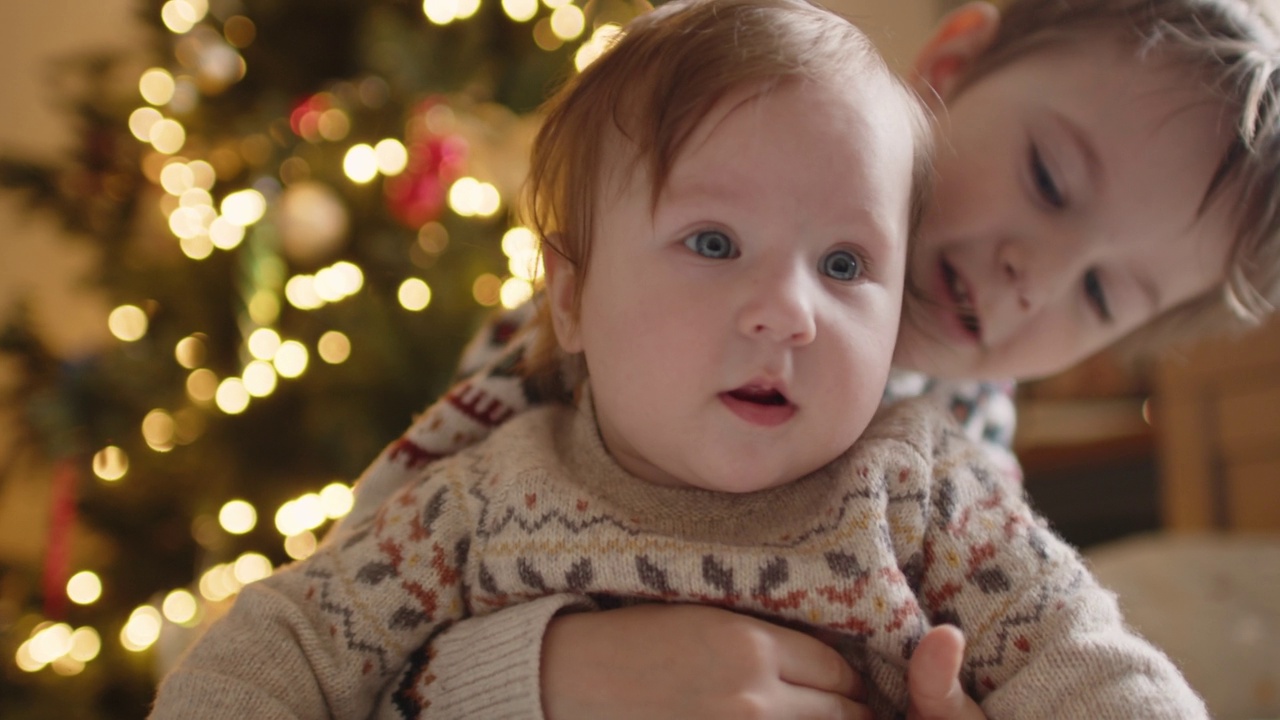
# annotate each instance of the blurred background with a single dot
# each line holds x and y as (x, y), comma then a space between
(242, 243)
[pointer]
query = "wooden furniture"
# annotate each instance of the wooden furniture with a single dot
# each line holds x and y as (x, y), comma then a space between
(1217, 425)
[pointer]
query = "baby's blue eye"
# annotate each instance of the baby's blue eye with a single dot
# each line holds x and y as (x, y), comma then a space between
(712, 244)
(841, 265)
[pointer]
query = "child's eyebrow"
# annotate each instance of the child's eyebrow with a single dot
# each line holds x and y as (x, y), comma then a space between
(1084, 145)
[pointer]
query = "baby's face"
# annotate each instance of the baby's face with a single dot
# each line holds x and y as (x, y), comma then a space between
(739, 336)
(1065, 213)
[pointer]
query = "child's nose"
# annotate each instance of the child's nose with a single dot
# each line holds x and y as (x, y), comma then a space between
(1013, 261)
(779, 310)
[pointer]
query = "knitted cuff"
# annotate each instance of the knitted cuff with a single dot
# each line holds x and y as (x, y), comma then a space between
(490, 666)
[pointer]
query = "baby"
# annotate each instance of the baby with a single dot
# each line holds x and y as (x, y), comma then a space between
(724, 199)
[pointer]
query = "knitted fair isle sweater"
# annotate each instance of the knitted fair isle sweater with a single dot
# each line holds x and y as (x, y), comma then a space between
(906, 529)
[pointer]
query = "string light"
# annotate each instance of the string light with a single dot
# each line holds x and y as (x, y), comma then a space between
(291, 359)
(301, 293)
(202, 385)
(263, 343)
(515, 292)
(231, 397)
(392, 157)
(251, 567)
(127, 323)
(486, 289)
(110, 463)
(300, 546)
(142, 120)
(601, 39)
(179, 607)
(224, 234)
(196, 247)
(259, 378)
(334, 347)
(158, 429)
(237, 517)
(520, 10)
(414, 294)
(337, 499)
(141, 630)
(167, 136)
(360, 163)
(156, 86)
(177, 178)
(50, 643)
(85, 644)
(244, 207)
(84, 588)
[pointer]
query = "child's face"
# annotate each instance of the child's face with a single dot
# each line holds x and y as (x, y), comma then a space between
(739, 336)
(1065, 213)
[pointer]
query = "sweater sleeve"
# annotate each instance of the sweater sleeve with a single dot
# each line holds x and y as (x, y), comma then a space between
(324, 637)
(1044, 639)
(488, 666)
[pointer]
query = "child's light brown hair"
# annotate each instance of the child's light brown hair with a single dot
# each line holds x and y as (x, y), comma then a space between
(1232, 47)
(648, 92)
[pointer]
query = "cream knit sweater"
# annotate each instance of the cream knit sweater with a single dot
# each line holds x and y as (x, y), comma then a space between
(908, 528)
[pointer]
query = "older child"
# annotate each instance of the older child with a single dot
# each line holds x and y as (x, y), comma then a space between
(1106, 172)
(733, 184)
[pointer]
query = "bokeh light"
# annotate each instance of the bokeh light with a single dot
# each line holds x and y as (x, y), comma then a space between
(237, 517)
(334, 347)
(127, 323)
(414, 294)
(84, 588)
(110, 463)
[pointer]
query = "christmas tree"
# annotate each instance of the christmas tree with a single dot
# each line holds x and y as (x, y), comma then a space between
(304, 212)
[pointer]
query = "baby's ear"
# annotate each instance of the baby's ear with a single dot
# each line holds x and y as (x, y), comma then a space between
(562, 290)
(960, 37)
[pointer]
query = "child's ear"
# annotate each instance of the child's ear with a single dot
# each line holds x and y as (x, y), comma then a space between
(561, 289)
(960, 37)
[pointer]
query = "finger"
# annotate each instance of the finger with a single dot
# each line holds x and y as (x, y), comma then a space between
(804, 703)
(933, 676)
(808, 662)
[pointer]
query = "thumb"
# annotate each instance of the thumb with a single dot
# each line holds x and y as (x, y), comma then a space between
(933, 678)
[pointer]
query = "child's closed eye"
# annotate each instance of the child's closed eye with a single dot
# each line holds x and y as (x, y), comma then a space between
(1096, 295)
(1045, 185)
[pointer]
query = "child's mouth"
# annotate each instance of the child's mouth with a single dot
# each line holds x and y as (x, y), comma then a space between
(959, 291)
(759, 405)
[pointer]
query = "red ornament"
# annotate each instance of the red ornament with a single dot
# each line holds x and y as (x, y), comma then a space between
(417, 196)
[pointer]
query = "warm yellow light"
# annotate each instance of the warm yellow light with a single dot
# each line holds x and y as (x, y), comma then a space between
(553, 4)
(486, 289)
(520, 10)
(224, 234)
(84, 588)
(237, 517)
(251, 567)
(85, 644)
(337, 500)
(198, 198)
(488, 200)
(519, 241)
(110, 463)
(189, 352)
(300, 546)
(301, 293)
(24, 660)
(178, 16)
(202, 385)
(334, 124)
(177, 178)
(568, 22)
(156, 86)
(158, 429)
(259, 378)
(467, 8)
(180, 607)
(264, 307)
(203, 175)
(392, 156)
(526, 267)
(414, 294)
(330, 285)
(360, 163)
(291, 359)
(351, 277)
(67, 666)
(288, 522)
(185, 223)
(51, 643)
(127, 323)
(141, 630)
(310, 511)
(232, 398)
(601, 39)
(464, 196)
(167, 136)
(544, 37)
(244, 207)
(440, 12)
(263, 343)
(334, 347)
(142, 120)
(197, 247)
(515, 292)
(214, 585)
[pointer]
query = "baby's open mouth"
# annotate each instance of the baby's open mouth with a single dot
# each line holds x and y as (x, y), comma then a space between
(959, 291)
(758, 395)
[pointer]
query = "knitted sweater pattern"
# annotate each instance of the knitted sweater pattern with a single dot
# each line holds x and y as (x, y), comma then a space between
(907, 529)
